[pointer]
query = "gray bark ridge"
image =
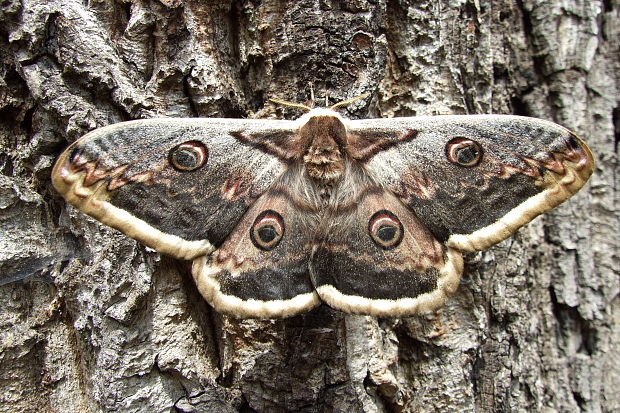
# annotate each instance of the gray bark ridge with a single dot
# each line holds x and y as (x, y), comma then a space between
(92, 321)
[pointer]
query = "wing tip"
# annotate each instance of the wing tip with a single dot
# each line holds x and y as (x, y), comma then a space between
(92, 200)
(559, 183)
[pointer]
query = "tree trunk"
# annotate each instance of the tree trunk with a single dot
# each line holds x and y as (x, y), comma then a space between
(93, 321)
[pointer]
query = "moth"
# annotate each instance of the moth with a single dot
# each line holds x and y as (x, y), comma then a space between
(369, 216)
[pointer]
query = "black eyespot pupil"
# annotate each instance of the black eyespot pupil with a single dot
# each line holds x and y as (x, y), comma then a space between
(267, 230)
(386, 232)
(267, 233)
(385, 229)
(467, 154)
(189, 156)
(464, 152)
(186, 158)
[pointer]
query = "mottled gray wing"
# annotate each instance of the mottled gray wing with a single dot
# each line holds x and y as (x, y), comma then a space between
(179, 186)
(473, 180)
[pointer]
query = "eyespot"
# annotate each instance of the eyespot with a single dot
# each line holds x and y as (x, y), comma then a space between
(464, 152)
(267, 230)
(188, 156)
(385, 229)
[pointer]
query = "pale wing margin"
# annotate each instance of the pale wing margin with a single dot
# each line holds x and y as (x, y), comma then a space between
(447, 284)
(89, 190)
(565, 160)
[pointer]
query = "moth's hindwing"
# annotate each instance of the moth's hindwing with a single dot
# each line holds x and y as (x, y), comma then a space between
(177, 185)
(377, 258)
(382, 233)
(474, 180)
(261, 270)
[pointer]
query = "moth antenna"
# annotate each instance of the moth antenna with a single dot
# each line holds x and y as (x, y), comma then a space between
(348, 101)
(291, 104)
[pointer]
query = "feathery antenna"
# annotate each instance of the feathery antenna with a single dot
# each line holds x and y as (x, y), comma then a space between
(348, 101)
(291, 104)
(308, 108)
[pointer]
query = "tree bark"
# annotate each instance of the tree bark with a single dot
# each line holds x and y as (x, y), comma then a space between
(93, 321)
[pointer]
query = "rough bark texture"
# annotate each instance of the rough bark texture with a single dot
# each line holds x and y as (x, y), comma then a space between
(92, 321)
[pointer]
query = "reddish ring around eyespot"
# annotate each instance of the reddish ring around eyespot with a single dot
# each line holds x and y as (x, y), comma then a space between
(385, 229)
(464, 152)
(267, 230)
(188, 156)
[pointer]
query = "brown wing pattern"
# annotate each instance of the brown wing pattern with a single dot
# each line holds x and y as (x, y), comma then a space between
(178, 185)
(382, 236)
(526, 166)
(377, 258)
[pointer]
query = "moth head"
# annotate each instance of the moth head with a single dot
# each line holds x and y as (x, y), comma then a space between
(464, 152)
(328, 111)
